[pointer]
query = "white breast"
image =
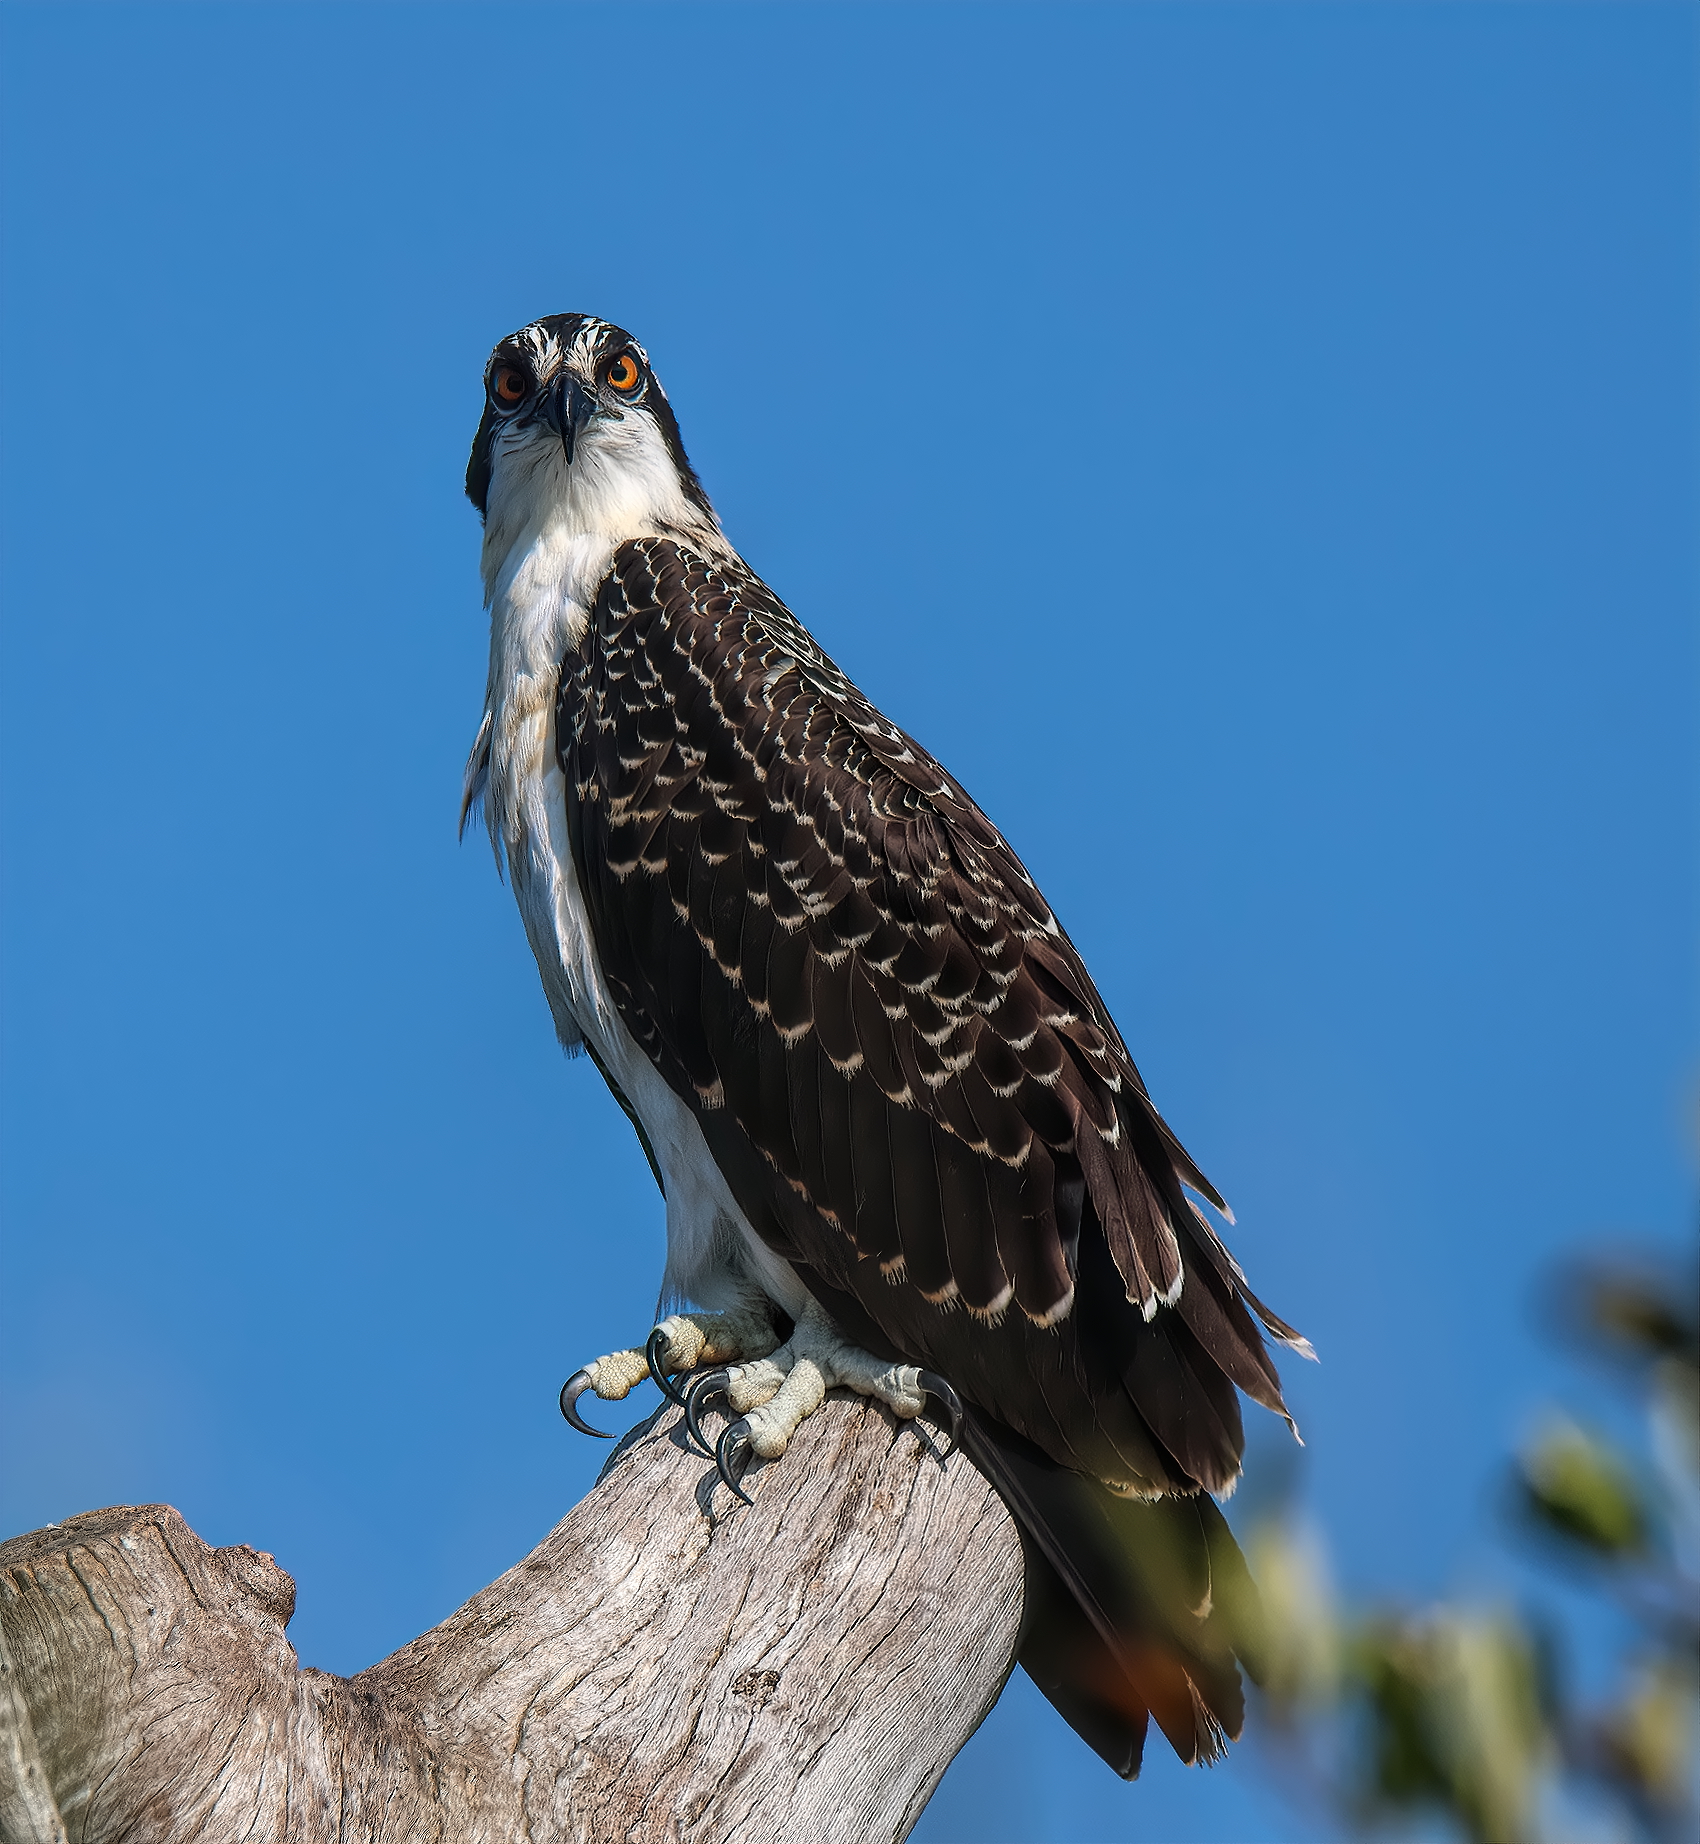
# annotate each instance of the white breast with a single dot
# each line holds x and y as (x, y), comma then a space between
(541, 597)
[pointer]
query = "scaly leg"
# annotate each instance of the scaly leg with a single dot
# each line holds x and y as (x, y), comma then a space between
(774, 1396)
(677, 1344)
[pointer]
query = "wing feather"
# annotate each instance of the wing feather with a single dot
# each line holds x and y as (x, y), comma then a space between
(920, 1207)
(915, 1089)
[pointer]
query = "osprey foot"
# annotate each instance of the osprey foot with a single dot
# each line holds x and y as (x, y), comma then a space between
(677, 1344)
(773, 1397)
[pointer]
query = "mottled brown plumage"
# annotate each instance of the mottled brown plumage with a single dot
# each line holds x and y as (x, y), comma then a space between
(894, 1051)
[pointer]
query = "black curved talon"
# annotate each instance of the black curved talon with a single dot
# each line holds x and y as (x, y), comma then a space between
(571, 1390)
(732, 1454)
(710, 1383)
(935, 1385)
(652, 1351)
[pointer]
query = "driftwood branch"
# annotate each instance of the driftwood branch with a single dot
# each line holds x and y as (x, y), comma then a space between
(666, 1665)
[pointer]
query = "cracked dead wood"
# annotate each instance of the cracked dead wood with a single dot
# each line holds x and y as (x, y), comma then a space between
(664, 1666)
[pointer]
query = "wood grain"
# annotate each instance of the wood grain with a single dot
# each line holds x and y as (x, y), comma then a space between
(665, 1665)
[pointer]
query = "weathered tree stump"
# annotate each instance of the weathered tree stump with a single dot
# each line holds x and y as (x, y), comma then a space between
(666, 1665)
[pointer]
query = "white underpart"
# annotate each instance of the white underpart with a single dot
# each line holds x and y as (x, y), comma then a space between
(550, 535)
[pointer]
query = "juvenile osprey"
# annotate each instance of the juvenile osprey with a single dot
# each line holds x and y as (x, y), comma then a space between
(902, 1145)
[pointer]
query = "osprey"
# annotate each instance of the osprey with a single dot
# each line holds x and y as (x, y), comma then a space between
(901, 1143)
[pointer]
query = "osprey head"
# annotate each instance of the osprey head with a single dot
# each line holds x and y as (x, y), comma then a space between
(574, 417)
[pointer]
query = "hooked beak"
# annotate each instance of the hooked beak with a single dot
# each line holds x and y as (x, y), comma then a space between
(566, 409)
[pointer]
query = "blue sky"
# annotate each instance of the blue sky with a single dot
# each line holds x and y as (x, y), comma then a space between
(1253, 446)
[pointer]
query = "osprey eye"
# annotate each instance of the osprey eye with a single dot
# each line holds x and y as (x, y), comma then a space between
(509, 386)
(623, 374)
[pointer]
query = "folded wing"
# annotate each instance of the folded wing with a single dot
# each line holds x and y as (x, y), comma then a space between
(896, 1055)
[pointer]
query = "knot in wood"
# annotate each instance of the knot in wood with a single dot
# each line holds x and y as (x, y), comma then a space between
(255, 1573)
(755, 1686)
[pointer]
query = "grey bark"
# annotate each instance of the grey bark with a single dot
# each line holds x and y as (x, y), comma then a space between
(665, 1665)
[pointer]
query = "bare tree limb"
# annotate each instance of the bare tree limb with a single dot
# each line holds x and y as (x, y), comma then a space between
(664, 1666)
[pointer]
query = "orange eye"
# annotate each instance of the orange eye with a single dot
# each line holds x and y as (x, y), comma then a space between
(623, 373)
(509, 386)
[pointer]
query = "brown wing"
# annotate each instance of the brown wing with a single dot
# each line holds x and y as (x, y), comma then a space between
(896, 1055)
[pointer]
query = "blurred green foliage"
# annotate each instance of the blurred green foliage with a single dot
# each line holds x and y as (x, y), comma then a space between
(1452, 1717)
(1380, 1714)
(1576, 1486)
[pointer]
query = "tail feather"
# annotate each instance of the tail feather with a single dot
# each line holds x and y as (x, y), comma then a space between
(1136, 1606)
(1065, 1655)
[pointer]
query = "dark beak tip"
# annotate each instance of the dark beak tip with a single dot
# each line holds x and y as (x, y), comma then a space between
(569, 408)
